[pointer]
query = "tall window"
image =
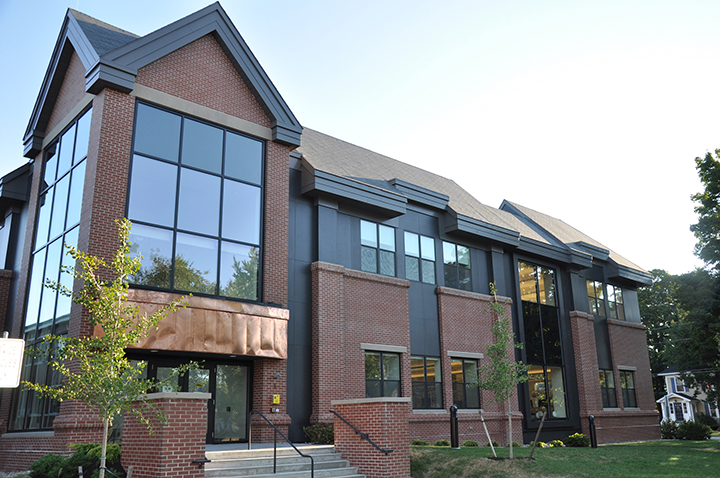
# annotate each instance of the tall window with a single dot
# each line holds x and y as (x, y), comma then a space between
(456, 265)
(615, 302)
(382, 374)
(543, 349)
(464, 373)
(48, 312)
(627, 384)
(426, 382)
(419, 258)
(596, 297)
(607, 389)
(377, 248)
(196, 204)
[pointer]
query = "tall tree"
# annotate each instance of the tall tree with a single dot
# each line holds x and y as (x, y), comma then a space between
(95, 369)
(707, 229)
(660, 311)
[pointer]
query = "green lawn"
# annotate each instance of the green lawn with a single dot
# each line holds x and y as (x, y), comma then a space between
(671, 458)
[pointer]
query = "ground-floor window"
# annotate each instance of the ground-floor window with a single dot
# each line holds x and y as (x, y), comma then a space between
(426, 382)
(382, 374)
(627, 384)
(607, 389)
(464, 376)
(547, 391)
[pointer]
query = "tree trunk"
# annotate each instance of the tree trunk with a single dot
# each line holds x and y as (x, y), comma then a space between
(510, 438)
(103, 458)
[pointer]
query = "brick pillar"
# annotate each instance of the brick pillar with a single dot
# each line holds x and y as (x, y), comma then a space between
(270, 378)
(385, 421)
(170, 450)
(586, 366)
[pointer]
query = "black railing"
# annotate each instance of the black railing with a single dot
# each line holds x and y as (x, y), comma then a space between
(258, 412)
(364, 436)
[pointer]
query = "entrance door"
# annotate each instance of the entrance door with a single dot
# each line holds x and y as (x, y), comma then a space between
(231, 403)
(679, 412)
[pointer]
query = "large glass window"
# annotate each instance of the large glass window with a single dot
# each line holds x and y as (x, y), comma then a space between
(464, 376)
(382, 374)
(543, 348)
(419, 258)
(196, 204)
(615, 302)
(596, 297)
(627, 384)
(456, 266)
(377, 248)
(48, 312)
(607, 389)
(426, 382)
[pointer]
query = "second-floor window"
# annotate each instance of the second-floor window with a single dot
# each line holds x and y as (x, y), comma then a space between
(377, 248)
(195, 199)
(615, 302)
(456, 266)
(419, 258)
(596, 297)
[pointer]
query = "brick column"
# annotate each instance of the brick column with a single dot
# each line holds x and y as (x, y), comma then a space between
(385, 421)
(170, 450)
(586, 366)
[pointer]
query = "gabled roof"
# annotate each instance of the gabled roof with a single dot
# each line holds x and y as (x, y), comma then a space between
(112, 58)
(561, 231)
(679, 395)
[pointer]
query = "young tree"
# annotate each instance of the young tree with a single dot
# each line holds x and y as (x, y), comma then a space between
(501, 374)
(95, 369)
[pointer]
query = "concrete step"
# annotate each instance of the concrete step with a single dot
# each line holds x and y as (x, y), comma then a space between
(251, 468)
(345, 472)
(240, 462)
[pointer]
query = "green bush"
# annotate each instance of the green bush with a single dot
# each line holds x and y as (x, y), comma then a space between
(470, 443)
(442, 443)
(557, 444)
(668, 429)
(420, 443)
(44, 467)
(320, 433)
(690, 430)
(577, 440)
(494, 443)
(514, 444)
(707, 420)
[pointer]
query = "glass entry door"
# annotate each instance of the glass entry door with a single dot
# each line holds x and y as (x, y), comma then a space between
(231, 403)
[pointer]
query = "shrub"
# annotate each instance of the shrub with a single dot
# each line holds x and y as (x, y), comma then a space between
(494, 443)
(577, 440)
(514, 444)
(470, 443)
(320, 433)
(707, 420)
(557, 443)
(420, 443)
(86, 455)
(44, 467)
(668, 429)
(690, 430)
(442, 443)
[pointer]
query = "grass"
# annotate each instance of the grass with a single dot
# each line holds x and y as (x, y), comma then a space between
(667, 458)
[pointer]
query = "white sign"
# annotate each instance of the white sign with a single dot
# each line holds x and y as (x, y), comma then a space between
(11, 357)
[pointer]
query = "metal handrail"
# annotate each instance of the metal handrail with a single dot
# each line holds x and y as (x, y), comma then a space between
(312, 460)
(364, 436)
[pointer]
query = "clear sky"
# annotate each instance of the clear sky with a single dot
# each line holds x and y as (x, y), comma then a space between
(591, 112)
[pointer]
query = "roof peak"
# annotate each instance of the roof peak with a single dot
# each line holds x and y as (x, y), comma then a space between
(83, 17)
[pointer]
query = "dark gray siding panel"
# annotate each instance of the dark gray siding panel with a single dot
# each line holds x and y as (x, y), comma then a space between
(424, 329)
(632, 306)
(602, 341)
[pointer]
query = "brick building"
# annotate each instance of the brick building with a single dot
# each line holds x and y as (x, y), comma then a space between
(319, 270)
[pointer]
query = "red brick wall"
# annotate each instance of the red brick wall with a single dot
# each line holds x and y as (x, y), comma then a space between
(169, 451)
(5, 279)
(350, 308)
(386, 423)
(201, 72)
(586, 364)
(277, 200)
(71, 92)
(269, 378)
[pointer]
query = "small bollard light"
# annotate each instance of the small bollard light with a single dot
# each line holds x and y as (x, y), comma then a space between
(593, 432)
(454, 441)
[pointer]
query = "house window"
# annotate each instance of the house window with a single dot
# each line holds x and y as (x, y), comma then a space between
(419, 258)
(543, 351)
(382, 374)
(195, 199)
(456, 266)
(607, 389)
(615, 302)
(596, 297)
(426, 382)
(377, 248)
(464, 373)
(48, 312)
(627, 384)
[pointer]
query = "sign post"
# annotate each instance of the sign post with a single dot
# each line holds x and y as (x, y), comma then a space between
(11, 358)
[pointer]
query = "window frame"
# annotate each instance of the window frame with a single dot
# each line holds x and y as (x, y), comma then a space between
(628, 388)
(422, 257)
(221, 239)
(383, 381)
(423, 400)
(616, 307)
(452, 267)
(608, 393)
(596, 301)
(462, 385)
(376, 246)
